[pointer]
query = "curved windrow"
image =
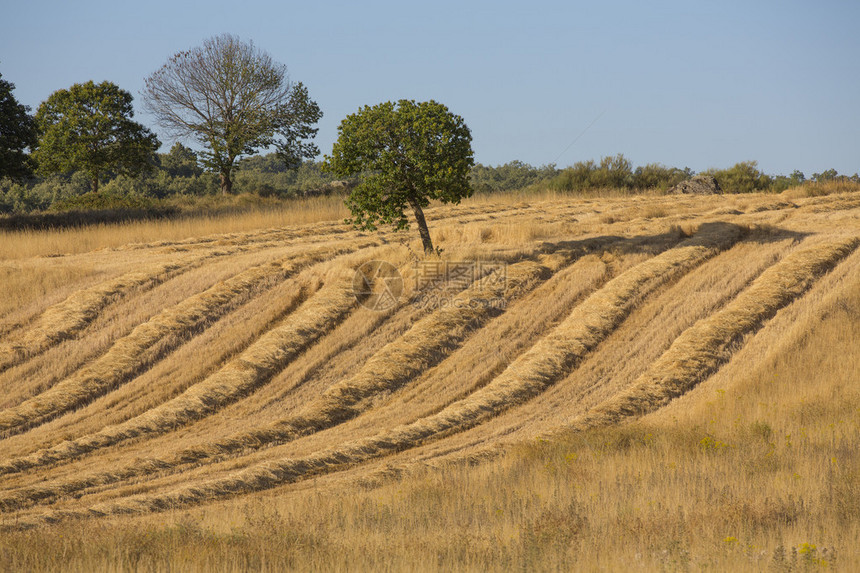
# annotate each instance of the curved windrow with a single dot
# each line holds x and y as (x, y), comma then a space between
(553, 356)
(702, 348)
(251, 369)
(424, 344)
(427, 342)
(70, 316)
(125, 357)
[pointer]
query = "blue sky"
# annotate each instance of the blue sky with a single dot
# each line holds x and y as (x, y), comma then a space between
(692, 83)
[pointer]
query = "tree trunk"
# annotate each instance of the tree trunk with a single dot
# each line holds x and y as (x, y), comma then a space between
(94, 184)
(226, 183)
(422, 226)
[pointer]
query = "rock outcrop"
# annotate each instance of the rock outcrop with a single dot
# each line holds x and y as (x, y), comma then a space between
(697, 185)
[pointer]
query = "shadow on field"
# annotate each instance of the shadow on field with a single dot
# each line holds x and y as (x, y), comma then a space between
(654, 244)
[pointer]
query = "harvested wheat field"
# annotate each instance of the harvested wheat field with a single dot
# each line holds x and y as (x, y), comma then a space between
(604, 383)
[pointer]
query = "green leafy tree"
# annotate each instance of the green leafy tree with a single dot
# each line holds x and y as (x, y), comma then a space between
(658, 176)
(510, 176)
(181, 161)
(614, 172)
(17, 133)
(89, 128)
(414, 153)
(827, 175)
(234, 100)
(577, 177)
(744, 177)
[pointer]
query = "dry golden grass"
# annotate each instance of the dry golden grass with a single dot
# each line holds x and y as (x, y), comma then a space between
(671, 383)
(36, 243)
(426, 343)
(126, 356)
(242, 375)
(817, 189)
(65, 319)
(702, 348)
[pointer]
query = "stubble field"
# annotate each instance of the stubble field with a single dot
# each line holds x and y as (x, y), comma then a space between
(657, 383)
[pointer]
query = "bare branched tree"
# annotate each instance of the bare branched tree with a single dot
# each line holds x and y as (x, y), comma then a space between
(234, 100)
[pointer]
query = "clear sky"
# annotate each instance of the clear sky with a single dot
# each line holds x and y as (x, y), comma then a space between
(686, 83)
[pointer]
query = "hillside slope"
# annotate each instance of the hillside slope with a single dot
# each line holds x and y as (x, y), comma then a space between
(194, 374)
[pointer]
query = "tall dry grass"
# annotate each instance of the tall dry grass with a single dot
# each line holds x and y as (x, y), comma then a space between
(41, 285)
(36, 243)
(212, 226)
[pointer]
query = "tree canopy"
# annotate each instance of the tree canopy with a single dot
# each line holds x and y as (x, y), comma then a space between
(89, 128)
(413, 152)
(17, 133)
(181, 161)
(234, 100)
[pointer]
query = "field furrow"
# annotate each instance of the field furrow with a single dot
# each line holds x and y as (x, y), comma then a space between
(64, 320)
(484, 356)
(117, 320)
(195, 360)
(242, 375)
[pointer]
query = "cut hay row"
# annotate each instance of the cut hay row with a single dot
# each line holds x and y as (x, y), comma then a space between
(841, 202)
(701, 349)
(335, 357)
(621, 358)
(242, 375)
(552, 357)
(67, 318)
(427, 342)
(564, 347)
(282, 235)
(480, 359)
(197, 358)
(277, 234)
(158, 335)
(118, 319)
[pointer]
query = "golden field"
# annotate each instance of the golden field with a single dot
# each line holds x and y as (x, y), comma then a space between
(661, 383)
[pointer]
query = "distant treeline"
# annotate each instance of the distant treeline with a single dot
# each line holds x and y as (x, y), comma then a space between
(177, 179)
(617, 172)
